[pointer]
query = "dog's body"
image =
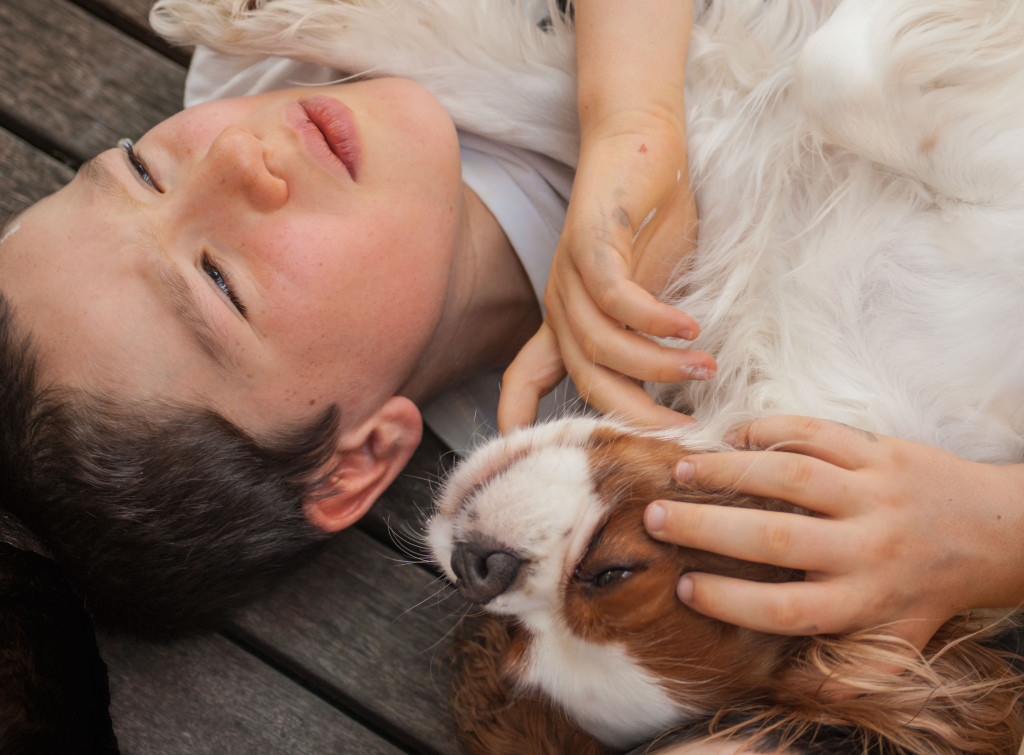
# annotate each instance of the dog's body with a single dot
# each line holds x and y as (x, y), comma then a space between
(860, 180)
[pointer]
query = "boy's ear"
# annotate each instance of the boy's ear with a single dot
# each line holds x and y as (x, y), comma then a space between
(367, 459)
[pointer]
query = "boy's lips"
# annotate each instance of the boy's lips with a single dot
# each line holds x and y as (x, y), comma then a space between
(329, 132)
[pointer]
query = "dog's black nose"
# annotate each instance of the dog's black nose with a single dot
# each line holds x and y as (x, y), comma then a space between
(483, 572)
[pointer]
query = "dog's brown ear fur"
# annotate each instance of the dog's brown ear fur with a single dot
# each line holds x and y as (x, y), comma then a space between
(491, 717)
(961, 695)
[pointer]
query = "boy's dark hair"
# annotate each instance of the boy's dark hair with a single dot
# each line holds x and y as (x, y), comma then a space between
(163, 517)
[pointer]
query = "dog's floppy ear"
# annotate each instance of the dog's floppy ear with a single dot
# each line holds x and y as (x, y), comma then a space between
(492, 717)
(366, 460)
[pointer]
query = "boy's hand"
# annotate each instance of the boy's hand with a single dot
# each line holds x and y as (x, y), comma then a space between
(630, 222)
(904, 534)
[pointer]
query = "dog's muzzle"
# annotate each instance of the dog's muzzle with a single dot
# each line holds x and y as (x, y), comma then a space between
(483, 572)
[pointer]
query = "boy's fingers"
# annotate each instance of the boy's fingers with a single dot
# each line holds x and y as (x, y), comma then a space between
(804, 481)
(601, 339)
(792, 541)
(626, 302)
(611, 392)
(536, 370)
(838, 444)
(789, 608)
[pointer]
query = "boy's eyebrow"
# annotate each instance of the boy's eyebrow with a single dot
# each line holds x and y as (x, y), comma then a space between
(175, 287)
(100, 176)
(189, 308)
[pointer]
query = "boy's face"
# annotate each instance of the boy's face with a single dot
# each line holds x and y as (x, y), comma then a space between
(328, 215)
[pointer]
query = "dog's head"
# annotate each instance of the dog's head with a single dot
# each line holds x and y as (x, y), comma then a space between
(545, 526)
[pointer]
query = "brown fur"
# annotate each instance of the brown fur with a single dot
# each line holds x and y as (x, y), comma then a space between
(491, 716)
(958, 696)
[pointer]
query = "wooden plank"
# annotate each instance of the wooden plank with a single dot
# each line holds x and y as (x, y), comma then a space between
(75, 83)
(27, 175)
(360, 627)
(137, 10)
(205, 695)
(132, 17)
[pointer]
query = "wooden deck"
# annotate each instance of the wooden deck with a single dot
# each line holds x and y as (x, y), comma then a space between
(347, 654)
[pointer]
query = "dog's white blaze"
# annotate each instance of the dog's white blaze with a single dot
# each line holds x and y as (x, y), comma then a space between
(607, 693)
(541, 508)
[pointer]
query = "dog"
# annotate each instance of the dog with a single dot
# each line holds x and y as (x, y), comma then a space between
(859, 173)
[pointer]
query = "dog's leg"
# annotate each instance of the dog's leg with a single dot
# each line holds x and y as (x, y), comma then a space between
(934, 91)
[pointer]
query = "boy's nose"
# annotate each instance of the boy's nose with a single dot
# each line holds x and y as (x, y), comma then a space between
(236, 165)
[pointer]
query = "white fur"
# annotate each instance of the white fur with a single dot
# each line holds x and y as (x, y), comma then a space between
(601, 687)
(861, 191)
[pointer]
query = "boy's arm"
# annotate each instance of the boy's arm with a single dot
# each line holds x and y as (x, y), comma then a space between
(631, 218)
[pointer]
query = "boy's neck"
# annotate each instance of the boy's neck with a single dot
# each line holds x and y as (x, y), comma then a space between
(491, 309)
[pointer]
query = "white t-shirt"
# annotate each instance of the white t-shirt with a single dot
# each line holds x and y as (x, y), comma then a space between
(526, 192)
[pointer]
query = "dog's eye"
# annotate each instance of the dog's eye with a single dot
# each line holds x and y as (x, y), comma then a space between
(611, 576)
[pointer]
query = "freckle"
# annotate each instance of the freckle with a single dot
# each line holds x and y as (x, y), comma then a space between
(643, 149)
(312, 402)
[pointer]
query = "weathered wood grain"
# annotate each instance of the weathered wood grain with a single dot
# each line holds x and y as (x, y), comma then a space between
(135, 10)
(360, 625)
(77, 85)
(206, 695)
(132, 17)
(27, 175)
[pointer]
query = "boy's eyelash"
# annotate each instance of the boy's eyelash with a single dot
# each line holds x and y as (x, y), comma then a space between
(212, 269)
(140, 167)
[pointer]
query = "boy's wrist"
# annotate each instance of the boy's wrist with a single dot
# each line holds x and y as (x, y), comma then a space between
(631, 55)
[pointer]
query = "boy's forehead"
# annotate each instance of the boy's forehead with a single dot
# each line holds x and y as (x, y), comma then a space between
(37, 227)
(9, 228)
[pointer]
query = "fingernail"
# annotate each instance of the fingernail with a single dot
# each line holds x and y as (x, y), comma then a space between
(655, 518)
(685, 588)
(683, 471)
(730, 438)
(699, 373)
(686, 335)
